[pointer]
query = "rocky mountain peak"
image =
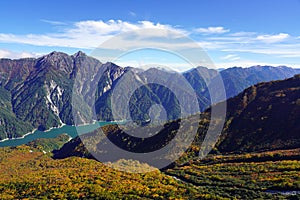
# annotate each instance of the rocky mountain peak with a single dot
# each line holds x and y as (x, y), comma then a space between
(56, 55)
(55, 61)
(79, 54)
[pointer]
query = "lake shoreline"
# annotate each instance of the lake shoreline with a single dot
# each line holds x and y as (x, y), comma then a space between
(32, 132)
(71, 130)
(45, 131)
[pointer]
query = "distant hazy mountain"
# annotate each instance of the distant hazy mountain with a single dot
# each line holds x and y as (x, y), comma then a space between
(236, 79)
(37, 93)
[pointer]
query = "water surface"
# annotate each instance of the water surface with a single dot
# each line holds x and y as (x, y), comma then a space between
(72, 131)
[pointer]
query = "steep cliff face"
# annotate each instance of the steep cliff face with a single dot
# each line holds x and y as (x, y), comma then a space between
(43, 98)
(37, 93)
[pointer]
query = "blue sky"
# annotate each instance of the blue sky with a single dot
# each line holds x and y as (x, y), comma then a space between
(232, 32)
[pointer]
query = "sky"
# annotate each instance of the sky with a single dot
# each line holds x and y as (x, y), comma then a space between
(178, 34)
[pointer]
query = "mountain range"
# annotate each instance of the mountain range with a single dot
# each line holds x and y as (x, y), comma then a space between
(261, 118)
(37, 93)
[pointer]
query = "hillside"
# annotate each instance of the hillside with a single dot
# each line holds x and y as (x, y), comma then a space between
(264, 117)
(268, 175)
(26, 172)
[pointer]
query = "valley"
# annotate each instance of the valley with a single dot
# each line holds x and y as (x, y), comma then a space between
(256, 155)
(150, 100)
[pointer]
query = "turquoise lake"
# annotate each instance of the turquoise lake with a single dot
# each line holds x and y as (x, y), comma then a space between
(72, 131)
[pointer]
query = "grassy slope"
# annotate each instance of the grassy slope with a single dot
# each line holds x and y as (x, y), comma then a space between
(244, 176)
(26, 174)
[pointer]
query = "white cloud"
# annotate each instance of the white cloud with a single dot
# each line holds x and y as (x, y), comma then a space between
(279, 50)
(170, 66)
(53, 22)
(281, 45)
(242, 33)
(90, 34)
(231, 57)
(250, 63)
(212, 30)
(273, 38)
(4, 54)
(132, 14)
(15, 55)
